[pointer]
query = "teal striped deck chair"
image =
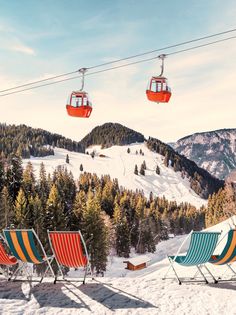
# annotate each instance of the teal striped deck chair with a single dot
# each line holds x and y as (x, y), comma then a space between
(27, 248)
(200, 251)
(228, 255)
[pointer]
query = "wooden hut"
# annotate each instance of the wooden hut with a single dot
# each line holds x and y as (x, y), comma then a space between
(137, 263)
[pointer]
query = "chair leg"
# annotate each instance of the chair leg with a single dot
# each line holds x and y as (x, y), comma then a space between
(49, 262)
(91, 271)
(171, 265)
(195, 275)
(44, 274)
(59, 268)
(168, 270)
(231, 269)
(198, 267)
(215, 281)
(20, 267)
(85, 273)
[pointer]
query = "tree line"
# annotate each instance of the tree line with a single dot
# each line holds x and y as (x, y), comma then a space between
(109, 216)
(26, 141)
(202, 182)
(221, 205)
(110, 134)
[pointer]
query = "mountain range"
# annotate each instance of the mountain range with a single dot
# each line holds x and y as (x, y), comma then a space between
(40, 145)
(215, 151)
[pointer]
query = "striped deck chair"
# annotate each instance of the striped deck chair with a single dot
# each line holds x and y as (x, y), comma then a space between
(201, 248)
(6, 259)
(228, 255)
(69, 250)
(23, 244)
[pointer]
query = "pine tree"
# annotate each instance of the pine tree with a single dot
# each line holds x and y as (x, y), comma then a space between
(128, 150)
(54, 217)
(66, 188)
(122, 233)
(43, 187)
(107, 198)
(21, 209)
(6, 209)
(166, 159)
(38, 215)
(81, 168)
(95, 233)
(148, 239)
(28, 183)
(144, 165)
(67, 159)
(142, 170)
(158, 170)
(14, 176)
(29, 220)
(2, 175)
(136, 169)
(140, 219)
(79, 207)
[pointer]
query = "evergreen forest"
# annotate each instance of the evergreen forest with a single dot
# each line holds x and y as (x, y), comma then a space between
(110, 217)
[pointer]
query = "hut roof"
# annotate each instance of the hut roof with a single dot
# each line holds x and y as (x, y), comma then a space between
(138, 260)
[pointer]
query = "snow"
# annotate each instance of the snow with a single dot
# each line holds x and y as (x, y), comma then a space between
(126, 292)
(120, 164)
(138, 260)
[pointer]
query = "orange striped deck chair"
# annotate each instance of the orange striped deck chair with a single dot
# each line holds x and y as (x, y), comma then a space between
(228, 255)
(23, 245)
(6, 259)
(69, 250)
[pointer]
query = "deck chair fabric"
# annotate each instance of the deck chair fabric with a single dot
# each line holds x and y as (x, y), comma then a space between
(201, 248)
(5, 259)
(200, 251)
(228, 254)
(69, 250)
(22, 244)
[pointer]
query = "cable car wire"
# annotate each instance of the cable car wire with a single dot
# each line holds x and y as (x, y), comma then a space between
(164, 48)
(111, 68)
(122, 59)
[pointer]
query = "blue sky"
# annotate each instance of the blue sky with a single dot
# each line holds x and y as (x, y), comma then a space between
(46, 38)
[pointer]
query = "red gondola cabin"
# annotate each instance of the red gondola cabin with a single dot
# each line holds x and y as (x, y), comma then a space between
(158, 90)
(78, 105)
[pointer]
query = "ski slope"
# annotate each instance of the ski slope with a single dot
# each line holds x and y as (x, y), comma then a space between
(127, 292)
(119, 164)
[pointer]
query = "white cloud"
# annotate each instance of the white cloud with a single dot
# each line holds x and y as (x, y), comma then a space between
(21, 48)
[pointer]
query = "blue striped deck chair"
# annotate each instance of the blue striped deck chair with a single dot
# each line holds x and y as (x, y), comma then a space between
(201, 248)
(23, 245)
(228, 255)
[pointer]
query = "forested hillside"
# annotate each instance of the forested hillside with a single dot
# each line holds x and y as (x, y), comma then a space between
(110, 134)
(221, 205)
(26, 141)
(201, 181)
(109, 216)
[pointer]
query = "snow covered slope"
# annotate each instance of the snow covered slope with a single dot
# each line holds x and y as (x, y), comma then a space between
(119, 164)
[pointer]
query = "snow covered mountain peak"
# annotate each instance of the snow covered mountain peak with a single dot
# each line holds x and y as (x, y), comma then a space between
(214, 151)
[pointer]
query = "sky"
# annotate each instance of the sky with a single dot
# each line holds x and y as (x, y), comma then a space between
(39, 39)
